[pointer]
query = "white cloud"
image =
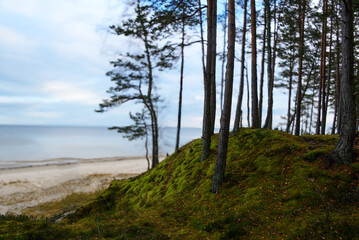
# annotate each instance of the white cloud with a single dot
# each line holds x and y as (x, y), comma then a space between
(69, 92)
(24, 100)
(13, 40)
(27, 7)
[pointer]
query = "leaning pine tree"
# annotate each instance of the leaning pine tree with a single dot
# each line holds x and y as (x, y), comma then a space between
(133, 74)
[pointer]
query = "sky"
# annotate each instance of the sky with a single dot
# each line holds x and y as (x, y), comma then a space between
(54, 56)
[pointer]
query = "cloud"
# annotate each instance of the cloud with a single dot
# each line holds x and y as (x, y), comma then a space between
(13, 40)
(28, 7)
(23, 100)
(69, 92)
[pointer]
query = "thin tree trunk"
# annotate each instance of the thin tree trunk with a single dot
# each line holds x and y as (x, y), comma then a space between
(248, 99)
(181, 83)
(311, 114)
(220, 166)
(261, 81)
(269, 119)
(202, 39)
(336, 121)
(321, 100)
(275, 40)
(238, 117)
(289, 94)
(213, 45)
(149, 104)
(224, 52)
(325, 106)
(343, 151)
(324, 79)
(208, 127)
(254, 91)
(300, 68)
(146, 147)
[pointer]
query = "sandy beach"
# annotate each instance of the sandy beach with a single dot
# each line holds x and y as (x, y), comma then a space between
(25, 187)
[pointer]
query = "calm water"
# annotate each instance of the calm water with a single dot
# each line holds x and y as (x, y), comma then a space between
(31, 143)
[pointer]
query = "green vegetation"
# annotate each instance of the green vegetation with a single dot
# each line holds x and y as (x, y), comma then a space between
(277, 186)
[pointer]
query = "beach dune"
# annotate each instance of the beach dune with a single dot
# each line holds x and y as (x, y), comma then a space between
(25, 187)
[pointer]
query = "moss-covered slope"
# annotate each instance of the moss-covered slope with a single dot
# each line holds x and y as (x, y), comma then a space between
(277, 186)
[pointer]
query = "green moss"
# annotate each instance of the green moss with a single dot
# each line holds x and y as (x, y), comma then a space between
(354, 167)
(321, 152)
(276, 186)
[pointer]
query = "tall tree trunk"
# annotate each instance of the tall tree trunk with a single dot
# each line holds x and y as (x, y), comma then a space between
(300, 68)
(269, 119)
(336, 121)
(311, 113)
(202, 40)
(248, 100)
(254, 91)
(261, 81)
(149, 104)
(324, 56)
(181, 82)
(146, 146)
(208, 122)
(290, 93)
(343, 151)
(238, 117)
(321, 100)
(224, 51)
(213, 65)
(220, 166)
(325, 106)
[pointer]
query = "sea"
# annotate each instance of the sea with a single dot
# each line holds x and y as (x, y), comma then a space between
(22, 146)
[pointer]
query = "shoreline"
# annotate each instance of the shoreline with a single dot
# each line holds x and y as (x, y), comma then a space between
(26, 187)
(18, 164)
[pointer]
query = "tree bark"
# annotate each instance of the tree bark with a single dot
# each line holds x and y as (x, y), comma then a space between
(343, 152)
(219, 169)
(269, 119)
(289, 94)
(209, 109)
(336, 121)
(181, 82)
(300, 68)
(248, 100)
(323, 68)
(213, 45)
(261, 81)
(224, 52)
(254, 91)
(325, 106)
(238, 117)
(202, 39)
(146, 147)
(149, 104)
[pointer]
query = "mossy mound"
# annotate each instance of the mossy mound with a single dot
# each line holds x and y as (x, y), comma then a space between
(277, 186)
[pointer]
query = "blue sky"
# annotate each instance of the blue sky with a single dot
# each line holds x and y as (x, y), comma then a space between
(54, 56)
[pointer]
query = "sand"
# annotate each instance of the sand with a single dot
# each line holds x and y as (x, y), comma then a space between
(25, 187)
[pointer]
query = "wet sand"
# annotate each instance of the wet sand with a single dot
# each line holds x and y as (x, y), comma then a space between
(25, 187)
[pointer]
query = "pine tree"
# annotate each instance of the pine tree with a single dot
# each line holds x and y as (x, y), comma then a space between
(134, 74)
(238, 116)
(343, 151)
(220, 166)
(209, 110)
(254, 90)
